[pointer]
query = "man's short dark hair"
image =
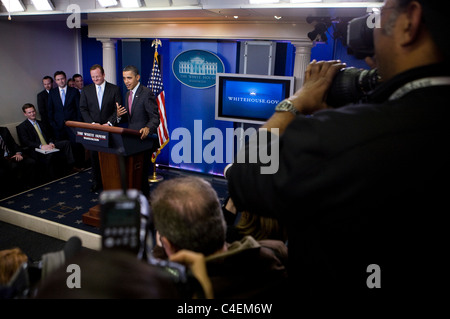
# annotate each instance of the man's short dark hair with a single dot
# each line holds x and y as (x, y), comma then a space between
(76, 75)
(60, 73)
(27, 106)
(47, 77)
(131, 68)
(97, 66)
(435, 14)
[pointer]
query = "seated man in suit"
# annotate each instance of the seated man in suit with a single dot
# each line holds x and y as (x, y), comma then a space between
(187, 214)
(17, 171)
(33, 134)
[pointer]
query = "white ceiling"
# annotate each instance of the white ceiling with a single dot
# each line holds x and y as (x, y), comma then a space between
(197, 10)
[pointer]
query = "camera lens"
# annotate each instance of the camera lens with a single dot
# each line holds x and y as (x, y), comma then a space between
(351, 85)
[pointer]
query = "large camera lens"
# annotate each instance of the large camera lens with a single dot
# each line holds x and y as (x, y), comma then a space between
(350, 86)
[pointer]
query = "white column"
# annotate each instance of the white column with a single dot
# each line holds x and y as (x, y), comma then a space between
(302, 59)
(109, 59)
(78, 55)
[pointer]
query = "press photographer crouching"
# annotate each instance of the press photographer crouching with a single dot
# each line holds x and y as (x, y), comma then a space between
(124, 267)
(363, 186)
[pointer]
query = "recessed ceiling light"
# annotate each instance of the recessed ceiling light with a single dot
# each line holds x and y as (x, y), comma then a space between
(13, 5)
(43, 5)
(107, 3)
(130, 3)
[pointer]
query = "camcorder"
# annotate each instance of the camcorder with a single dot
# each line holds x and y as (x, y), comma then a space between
(127, 225)
(351, 85)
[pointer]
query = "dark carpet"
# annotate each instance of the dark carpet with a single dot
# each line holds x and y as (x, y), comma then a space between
(64, 201)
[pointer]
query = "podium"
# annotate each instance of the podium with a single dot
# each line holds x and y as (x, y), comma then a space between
(112, 142)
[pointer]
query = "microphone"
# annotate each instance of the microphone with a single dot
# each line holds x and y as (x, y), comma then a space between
(72, 247)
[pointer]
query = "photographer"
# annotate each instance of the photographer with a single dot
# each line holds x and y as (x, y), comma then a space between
(362, 187)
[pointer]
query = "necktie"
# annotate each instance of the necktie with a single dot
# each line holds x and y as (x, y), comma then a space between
(63, 96)
(3, 147)
(41, 137)
(130, 100)
(100, 96)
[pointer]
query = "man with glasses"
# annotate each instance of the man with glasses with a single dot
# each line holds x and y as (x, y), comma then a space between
(363, 187)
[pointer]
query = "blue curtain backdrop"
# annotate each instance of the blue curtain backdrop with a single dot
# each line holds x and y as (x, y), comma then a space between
(186, 105)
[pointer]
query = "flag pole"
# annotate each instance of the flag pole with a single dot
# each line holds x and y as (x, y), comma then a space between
(155, 178)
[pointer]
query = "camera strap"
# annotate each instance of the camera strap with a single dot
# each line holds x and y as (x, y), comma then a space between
(419, 84)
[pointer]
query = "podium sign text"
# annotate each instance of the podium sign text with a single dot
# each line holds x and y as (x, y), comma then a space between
(93, 137)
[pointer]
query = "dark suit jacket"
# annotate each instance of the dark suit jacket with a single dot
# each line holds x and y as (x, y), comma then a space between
(144, 111)
(89, 107)
(29, 137)
(11, 144)
(42, 105)
(59, 114)
(361, 185)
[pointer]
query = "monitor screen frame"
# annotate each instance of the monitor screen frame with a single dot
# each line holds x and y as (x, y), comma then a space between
(221, 77)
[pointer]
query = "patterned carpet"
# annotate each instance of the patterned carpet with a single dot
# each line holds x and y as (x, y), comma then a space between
(65, 200)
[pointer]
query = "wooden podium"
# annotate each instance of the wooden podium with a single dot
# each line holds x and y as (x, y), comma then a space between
(112, 142)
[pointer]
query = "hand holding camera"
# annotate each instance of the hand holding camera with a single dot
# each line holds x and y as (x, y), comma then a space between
(318, 78)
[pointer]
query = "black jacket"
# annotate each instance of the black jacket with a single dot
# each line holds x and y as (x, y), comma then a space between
(28, 136)
(361, 185)
(144, 111)
(90, 109)
(11, 144)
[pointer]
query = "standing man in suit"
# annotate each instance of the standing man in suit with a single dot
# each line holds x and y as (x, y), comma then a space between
(16, 171)
(33, 134)
(64, 105)
(78, 79)
(141, 113)
(42, 100)
(98, 106)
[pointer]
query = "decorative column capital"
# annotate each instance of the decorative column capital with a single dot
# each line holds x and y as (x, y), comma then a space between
(107, 41)
(303, 44)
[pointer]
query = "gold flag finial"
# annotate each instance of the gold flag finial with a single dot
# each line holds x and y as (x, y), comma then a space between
(156, 43)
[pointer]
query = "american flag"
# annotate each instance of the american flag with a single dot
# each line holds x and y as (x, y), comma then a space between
(156, 85)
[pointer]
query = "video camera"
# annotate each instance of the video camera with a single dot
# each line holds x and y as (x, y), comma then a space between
(351, 84)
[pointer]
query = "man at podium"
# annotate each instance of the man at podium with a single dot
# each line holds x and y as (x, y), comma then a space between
(98, 106)
(140, 112)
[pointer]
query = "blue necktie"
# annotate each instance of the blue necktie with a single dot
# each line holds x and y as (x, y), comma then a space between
(100, 96)
(63, 96)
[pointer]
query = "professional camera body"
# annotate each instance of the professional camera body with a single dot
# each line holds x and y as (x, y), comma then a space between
(127, 225)
(351, 85)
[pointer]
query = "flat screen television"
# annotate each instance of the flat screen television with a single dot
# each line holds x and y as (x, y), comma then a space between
(250, 98)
